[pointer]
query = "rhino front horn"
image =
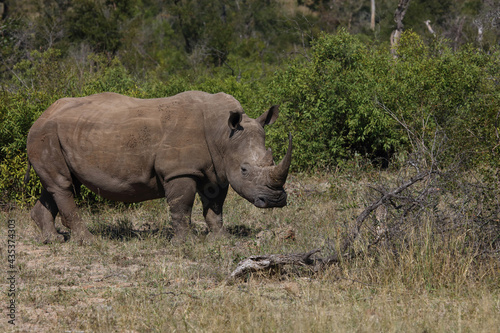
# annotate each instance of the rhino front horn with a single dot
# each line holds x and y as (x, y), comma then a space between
(280, 171)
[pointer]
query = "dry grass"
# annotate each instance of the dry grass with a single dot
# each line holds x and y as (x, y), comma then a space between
(134, 280)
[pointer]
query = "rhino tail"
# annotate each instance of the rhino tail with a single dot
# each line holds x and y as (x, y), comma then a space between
(27, 175)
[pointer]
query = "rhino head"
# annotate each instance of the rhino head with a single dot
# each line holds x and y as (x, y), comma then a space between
(249, 166)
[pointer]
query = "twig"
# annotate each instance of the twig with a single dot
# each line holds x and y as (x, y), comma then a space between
(387, 196)
(13, 73)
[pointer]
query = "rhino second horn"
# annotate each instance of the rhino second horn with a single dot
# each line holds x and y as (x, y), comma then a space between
(280, 171)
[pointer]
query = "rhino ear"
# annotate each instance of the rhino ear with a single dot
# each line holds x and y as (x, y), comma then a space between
(234, 119)
(270, 116)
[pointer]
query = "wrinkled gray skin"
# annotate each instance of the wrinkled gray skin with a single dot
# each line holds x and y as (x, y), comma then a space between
(132, 150)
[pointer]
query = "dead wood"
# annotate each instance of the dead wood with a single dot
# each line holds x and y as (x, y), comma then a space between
(386, 196)
(398, 18)
(270, 261)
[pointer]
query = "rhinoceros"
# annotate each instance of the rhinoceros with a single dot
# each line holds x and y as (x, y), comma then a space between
(131, 150)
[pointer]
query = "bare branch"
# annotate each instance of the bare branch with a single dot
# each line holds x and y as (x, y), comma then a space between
(429, 27)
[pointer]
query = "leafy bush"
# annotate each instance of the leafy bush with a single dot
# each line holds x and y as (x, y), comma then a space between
(12, 188)
(90, 21)
(329, 103)
(433, 88)
(349, 99)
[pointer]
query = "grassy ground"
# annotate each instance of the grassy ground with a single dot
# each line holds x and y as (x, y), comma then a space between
(134, 280)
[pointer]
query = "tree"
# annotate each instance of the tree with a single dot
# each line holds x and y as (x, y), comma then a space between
(372, 21)
(398, 18)
(94, 23)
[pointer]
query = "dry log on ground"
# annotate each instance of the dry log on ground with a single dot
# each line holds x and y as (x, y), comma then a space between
(269, 261)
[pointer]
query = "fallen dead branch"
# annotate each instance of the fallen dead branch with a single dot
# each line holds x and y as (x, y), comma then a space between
(270, 261)
(386, 196)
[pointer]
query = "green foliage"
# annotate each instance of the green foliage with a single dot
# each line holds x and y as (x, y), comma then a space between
(92, 22)
(8, 28)
(437, 89)
(17, 114)
(328, 103)
(112, 77)
(351, 100)
(12, 187)
(43, 69)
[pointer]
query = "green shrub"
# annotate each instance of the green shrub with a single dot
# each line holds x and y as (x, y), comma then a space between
(434, 89)
(12, 187)
(91, 22)
(328, 103)
(350, 100)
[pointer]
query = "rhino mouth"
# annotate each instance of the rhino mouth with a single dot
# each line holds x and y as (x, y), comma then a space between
(270, 202)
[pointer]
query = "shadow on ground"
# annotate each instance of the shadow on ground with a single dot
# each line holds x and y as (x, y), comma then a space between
(125, 231)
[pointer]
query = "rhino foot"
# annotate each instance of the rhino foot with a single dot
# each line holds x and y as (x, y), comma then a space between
(83, 237)
(218, 234)
(182, 236)
(51, 238)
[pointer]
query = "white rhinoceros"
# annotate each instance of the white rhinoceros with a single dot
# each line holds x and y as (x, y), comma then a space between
(131, 150)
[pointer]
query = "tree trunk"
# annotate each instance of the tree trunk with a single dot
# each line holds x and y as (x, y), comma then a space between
(398, 18)
(429, 27)
(479, 26)
(372, 23)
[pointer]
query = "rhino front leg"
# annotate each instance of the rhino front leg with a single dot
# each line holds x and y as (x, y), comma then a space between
(212, 197)
(180, 194)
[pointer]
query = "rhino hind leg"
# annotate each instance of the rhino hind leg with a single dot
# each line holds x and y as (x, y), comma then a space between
(44, 213)
(71, 218)
(180, 194)
(58, 196)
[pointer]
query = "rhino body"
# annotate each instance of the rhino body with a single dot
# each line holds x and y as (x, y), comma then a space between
(131, 150)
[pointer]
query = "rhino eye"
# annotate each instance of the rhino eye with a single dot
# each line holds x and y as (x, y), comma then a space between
(244, 170)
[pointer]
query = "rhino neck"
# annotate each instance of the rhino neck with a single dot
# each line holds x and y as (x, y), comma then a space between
(217, 155)
(217, 132)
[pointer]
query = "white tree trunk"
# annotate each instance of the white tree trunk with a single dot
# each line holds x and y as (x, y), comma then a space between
(398, 18)
(372, 23)
(429, 27)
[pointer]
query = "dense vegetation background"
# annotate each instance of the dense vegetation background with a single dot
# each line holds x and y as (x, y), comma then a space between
(343, 94)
